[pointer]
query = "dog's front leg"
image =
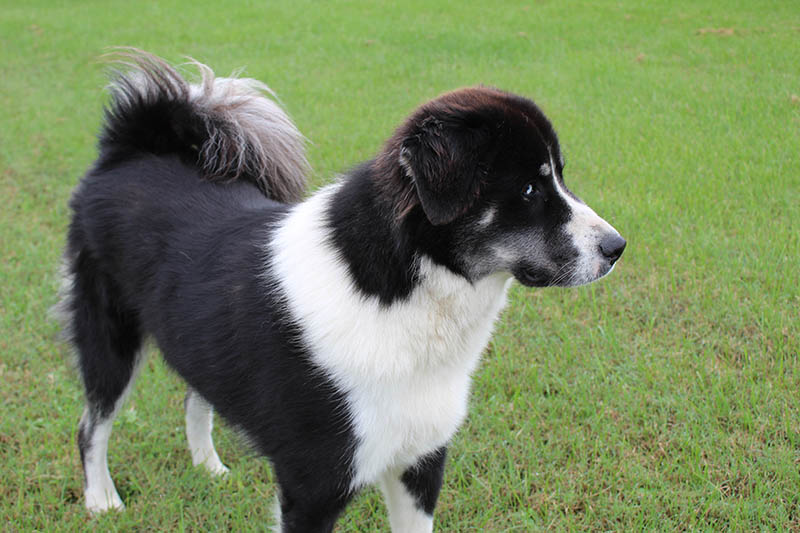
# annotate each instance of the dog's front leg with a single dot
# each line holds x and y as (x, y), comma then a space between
(411, 495)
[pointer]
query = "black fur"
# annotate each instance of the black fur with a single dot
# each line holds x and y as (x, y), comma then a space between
(361, 224)
(84, 446)
(161, 121)
(204, 303)
(424, 480)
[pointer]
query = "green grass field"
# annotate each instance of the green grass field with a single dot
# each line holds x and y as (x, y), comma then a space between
(665, 397)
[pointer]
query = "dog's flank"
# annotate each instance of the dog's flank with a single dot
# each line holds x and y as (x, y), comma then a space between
(228, 127)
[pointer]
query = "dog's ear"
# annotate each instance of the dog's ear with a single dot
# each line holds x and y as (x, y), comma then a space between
(445, 158)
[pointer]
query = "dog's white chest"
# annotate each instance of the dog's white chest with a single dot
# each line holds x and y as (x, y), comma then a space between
(405, 368)
(408, 377)
(398, 422)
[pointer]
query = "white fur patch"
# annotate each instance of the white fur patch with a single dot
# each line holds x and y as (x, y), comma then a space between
(277, 515)
(100, 492)
(199, 424)
(404, 515)
(586, 229)
(260, 138)
(61, 311)
(407, 366)
(404, 164)
(487, 217)
(544, 170)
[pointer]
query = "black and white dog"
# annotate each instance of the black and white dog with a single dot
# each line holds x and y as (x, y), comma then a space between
(338, 333)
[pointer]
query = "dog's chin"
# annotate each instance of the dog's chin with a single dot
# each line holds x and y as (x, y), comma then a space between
(601, 270)
(531, 277)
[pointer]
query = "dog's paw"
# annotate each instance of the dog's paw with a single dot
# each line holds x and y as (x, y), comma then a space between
(211, 462)
(101, 502)
(216, 468)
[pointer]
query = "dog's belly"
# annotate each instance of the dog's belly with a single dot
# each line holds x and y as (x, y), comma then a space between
(399, 422)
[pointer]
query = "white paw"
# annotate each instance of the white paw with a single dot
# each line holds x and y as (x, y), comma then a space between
(210, 461)
(100, 502)
(216, 468)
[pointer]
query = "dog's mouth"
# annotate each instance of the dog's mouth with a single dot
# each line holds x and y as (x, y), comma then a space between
(531, 277)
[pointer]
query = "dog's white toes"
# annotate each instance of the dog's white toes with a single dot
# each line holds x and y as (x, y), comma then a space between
(102, 502)
(211, 462)
(216, 469)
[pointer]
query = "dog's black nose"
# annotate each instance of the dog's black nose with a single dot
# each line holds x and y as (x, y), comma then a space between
(612, 246)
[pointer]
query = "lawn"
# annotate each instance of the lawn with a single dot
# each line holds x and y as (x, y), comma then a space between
(665, 397)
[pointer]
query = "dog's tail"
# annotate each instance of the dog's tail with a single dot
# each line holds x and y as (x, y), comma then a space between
(229, 127)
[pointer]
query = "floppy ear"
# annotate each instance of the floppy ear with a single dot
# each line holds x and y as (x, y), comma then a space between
(444, 157)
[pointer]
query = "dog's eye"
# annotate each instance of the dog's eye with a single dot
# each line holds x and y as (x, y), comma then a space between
(529, 191)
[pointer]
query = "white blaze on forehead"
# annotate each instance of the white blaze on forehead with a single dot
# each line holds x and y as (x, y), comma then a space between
(544, 170)
(575, 205)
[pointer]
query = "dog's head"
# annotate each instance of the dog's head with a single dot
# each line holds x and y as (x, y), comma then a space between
(482, 169)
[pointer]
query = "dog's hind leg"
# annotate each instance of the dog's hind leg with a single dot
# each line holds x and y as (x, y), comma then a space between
(107, 339)
(199, 423)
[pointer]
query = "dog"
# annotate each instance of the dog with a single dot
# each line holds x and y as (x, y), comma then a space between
(337, 333)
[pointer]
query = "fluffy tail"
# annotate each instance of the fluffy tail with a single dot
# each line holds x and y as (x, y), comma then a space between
(229, 127)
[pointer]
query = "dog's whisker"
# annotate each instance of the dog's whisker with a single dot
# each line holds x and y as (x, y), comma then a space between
(564, 272)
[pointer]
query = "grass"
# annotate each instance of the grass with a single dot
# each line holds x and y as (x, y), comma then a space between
(665, 397)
